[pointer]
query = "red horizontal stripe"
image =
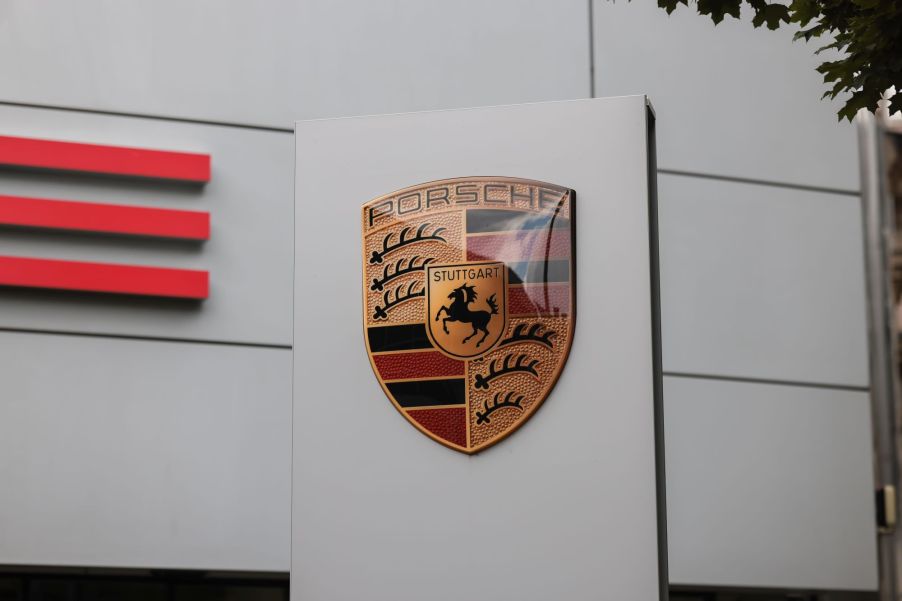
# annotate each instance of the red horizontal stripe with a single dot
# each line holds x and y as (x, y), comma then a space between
(108, 160)
(524, 245)
(103, 277)
(420, 364)
(552, 299)
(449, 424)
(104, 218)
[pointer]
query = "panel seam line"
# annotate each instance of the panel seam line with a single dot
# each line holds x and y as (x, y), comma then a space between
(137, 337)
(768, 381)
(760, 182)
(110, 113)
(591, 49)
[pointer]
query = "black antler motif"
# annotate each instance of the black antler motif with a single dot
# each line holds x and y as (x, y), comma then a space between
(533, 335)
(509, 366)
(400, 297)
(482, 417)
(403, 240)
(400, 269)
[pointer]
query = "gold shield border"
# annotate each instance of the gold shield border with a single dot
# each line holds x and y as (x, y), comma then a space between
(571, 329)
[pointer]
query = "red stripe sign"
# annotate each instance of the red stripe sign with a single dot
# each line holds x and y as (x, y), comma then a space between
(104, 218)
(449, 423)
(105, 160)
(420, 364)
(104, 277)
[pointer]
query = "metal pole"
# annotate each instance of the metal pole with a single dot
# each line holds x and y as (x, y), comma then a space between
(878, 212)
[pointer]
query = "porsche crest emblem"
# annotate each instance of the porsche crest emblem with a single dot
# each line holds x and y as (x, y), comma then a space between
(469, 302)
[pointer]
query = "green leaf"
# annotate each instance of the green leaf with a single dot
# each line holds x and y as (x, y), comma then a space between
(718, 9)
(775, 15)
(671, 5)
(866, 34)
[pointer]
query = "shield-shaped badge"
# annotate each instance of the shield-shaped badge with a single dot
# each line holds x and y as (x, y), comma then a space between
(469, 302)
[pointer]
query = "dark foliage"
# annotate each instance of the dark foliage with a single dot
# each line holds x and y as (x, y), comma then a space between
(867, 33)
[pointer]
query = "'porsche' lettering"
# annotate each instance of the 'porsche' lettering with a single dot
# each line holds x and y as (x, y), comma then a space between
(442, 197)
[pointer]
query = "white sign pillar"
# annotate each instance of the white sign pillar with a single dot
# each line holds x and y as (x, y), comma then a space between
(568, 507)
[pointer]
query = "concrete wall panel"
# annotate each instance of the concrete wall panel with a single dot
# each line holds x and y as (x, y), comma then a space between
(144, 454)
(762, 282)
(731, 100)
(769, 486)
(272, 64)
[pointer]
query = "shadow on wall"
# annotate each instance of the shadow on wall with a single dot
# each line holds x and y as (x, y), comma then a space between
(95, 584)
(684, 594)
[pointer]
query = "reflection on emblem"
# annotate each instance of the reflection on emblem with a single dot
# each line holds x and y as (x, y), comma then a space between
(469, 294)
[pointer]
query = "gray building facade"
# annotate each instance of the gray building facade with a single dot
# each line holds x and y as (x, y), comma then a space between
(153, 434)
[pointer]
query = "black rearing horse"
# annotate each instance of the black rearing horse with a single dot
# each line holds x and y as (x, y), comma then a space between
(459, 310)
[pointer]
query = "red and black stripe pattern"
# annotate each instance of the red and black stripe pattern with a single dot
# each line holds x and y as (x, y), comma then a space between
(427, 385)
(538, 249)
